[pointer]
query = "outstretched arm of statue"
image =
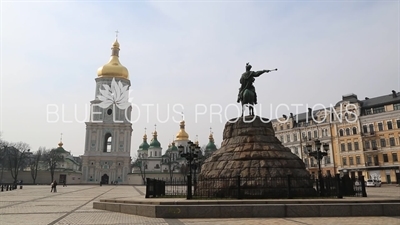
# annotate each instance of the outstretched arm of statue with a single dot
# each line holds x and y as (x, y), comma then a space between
(258, 73)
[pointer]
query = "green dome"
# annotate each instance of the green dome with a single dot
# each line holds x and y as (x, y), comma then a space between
(211, 146)
(60, 149)
(144, 145)
(154, 142)
(173, 147)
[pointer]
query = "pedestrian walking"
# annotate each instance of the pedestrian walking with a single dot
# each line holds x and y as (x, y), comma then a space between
(54, 186)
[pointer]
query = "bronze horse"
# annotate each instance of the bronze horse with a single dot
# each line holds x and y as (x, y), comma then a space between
(248, 99)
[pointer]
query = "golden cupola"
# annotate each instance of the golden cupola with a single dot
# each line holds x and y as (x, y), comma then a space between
(113, 68)
(182, 135)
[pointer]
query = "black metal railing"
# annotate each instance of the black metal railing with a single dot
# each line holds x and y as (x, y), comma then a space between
(155, 188)
(258, 187)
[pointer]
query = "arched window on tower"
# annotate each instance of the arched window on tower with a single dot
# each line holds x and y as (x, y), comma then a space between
(340, 132)
(107, 143)
(354, 130)
(347, 131)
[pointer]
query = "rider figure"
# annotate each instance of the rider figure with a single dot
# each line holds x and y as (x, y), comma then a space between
(247, 81)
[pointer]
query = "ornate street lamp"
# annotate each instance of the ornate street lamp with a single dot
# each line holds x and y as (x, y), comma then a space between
(318, 154)
(190, 153)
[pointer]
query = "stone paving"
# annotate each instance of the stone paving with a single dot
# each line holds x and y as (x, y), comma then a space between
(74, 205)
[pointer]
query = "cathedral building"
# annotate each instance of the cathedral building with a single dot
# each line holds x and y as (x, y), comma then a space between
(151, 163)
(106, 156)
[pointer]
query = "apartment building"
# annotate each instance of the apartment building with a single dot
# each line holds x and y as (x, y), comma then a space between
(363, 136)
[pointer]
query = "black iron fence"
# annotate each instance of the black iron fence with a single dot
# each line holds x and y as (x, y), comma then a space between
(256, 187)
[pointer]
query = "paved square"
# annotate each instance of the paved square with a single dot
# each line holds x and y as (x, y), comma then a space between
(74, 205)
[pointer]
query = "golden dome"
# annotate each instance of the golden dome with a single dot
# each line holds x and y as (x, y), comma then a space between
(182, 135)
(60, 144)
(113, 68)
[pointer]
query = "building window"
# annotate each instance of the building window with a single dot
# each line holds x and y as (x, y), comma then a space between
(365, 129)
(340, 132)
(287, 126)
(380, 126)
(383, 143)
(396, 106)
(327, 160)
(373, 144)
(294, 137)
(367, 146)
(356, 146)
(394, 157)
(358, 160)
(391, 141)
(281, 139)
(379, 109)
(349, 146)
(354, 130)
(389, 125)
(315, 134)
(306, 162)
(312, 162)
(371, 128)
(309, 135)
(342, 147)
(288, 138)
(296, 151)
(385, 158)
(347, 131)
(351, 162)
(367, 111)
(303, 135)
(344, 161)
(107, 142)
(155, 153)
(398, 124)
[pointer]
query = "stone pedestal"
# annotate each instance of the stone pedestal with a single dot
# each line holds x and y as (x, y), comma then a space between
(250, 150)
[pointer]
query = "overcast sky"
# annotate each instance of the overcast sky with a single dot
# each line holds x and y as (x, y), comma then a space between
(186, 53)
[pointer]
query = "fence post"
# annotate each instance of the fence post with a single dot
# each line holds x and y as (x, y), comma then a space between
(155, 189)
(317, 183)
(338, 186)
(239, 196)
(289, 187)
(189, 187)
(147, 187)
(364, 192)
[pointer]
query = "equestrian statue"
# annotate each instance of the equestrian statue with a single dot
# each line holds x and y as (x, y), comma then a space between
(247, 93)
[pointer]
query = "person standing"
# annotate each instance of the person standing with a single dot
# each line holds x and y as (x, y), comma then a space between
(54, 186)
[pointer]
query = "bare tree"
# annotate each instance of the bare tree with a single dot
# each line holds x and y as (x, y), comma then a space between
(52, 158)
(184, 169)
(171, 165)
(35, 161)
(3, 157)
(16, 154)
(141, 163)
